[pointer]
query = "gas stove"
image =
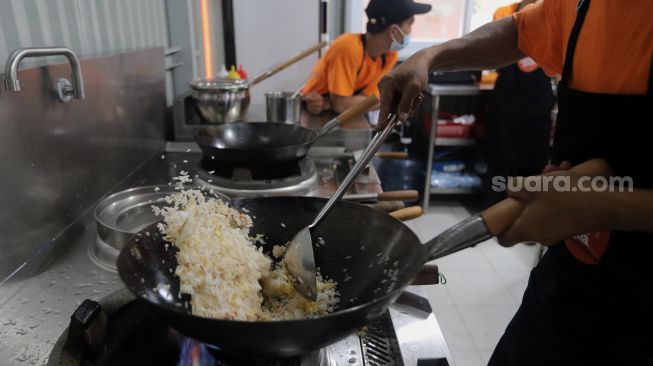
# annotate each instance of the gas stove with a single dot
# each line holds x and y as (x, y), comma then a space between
(119, 330)
(37, 304)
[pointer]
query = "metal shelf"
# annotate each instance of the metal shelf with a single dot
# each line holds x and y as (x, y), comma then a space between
(453, 141)
(436, 190)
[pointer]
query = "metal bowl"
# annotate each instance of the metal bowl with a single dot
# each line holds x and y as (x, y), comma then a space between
(283, 107)
(220, 100)
(123, 214)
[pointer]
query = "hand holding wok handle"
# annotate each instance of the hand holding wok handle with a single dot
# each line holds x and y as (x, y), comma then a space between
(497, 219)
(404, 195)
(349, 114)
(298, 57)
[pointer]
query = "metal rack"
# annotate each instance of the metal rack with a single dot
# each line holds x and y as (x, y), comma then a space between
(437, 91)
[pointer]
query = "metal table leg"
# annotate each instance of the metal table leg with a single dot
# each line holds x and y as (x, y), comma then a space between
(429, 158)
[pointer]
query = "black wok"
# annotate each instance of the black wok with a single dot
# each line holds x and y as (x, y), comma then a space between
(263, 143)
(361, 245)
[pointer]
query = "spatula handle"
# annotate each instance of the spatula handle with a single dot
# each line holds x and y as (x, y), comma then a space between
(366, 156)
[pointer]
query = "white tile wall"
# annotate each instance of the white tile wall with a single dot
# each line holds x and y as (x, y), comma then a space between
(484, 287)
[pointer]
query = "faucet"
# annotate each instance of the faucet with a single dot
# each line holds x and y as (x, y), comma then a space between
(11, 68)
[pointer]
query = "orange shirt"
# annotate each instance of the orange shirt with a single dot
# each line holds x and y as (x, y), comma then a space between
(505, 11)
(614, 50)
(337, 72)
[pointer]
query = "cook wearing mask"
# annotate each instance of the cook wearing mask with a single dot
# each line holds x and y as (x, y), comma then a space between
(352, 67)
(589, 301)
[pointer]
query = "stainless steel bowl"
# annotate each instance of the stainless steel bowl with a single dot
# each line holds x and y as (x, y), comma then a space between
(123, 214)
(220, 100)
(283, 107)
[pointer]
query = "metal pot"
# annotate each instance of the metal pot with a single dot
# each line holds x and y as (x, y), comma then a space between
(283, 107)
(220, 100)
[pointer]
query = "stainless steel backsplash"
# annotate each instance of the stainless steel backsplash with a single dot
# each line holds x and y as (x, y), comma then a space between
(57, 159)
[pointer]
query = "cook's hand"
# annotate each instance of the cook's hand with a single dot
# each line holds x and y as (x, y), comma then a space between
(550, 215)
(400, 90)
(314, 102)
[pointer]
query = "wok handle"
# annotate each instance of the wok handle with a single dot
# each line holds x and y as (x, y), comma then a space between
(358, 109)
(349, 114)
(399, 155)
(428, 275)
(406, 195)
(407, 213)
(301, 55)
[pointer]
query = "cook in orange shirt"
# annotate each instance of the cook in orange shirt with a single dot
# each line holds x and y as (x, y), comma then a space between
(354, 64)
(589, 300)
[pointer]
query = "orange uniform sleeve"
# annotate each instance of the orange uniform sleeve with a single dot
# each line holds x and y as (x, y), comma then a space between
(540, 34)
(341, 70)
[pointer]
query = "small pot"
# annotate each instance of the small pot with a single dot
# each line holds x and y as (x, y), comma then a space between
(220, 100)
(283, 107)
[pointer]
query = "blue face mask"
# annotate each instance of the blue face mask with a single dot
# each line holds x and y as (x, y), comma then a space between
(396, 46)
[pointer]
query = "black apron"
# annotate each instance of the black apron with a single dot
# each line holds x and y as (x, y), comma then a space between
(518, 131)
(579, 314)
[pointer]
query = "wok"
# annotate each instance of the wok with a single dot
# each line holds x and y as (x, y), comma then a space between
(358, 259)
(262, 143)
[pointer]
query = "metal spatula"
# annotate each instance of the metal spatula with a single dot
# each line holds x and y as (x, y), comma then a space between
(299, 258)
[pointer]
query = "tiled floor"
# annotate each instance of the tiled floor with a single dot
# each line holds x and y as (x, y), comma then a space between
(483, 290)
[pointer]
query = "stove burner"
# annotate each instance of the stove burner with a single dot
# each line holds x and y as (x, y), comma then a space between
(298, 178)
(253, 173)
(194, 353)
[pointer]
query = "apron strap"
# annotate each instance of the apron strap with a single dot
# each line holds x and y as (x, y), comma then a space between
(581, 11)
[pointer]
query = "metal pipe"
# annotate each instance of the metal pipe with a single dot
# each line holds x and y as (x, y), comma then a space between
(12, 83)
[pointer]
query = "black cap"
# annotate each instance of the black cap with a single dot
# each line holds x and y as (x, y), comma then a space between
(384, 13)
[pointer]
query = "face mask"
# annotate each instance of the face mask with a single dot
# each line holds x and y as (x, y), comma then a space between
(396, 46)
